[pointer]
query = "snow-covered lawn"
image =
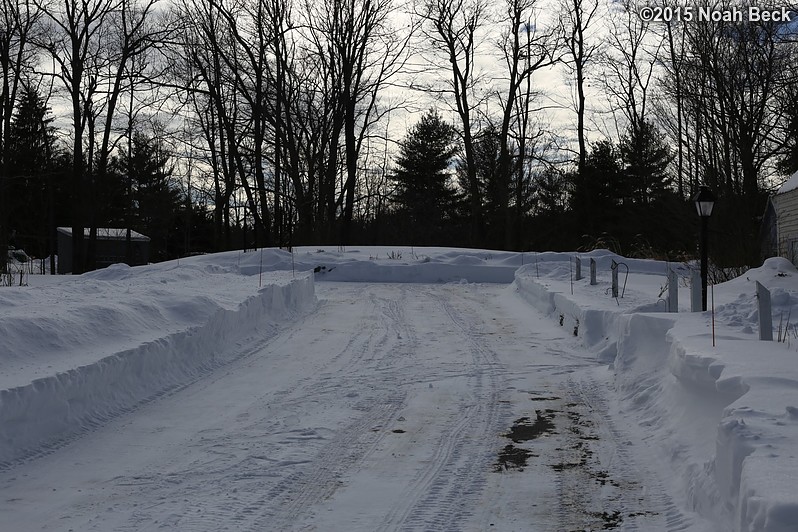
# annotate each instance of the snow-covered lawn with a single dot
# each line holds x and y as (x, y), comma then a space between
(445, 389)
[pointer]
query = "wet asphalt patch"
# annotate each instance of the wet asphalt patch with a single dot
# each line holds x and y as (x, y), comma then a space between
(524, 429)
(610, 519)
(512, 457)
(574, 456)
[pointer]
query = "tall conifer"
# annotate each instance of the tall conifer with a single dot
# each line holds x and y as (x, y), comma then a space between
(424, 192)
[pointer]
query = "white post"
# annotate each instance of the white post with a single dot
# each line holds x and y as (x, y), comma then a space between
(578, 274)
(673, 291)
(593, 272)
(765, 317)
(614, 279)
(695, 291)
(260, 270)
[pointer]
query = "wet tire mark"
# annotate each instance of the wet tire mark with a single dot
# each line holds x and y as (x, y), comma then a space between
(631, 495)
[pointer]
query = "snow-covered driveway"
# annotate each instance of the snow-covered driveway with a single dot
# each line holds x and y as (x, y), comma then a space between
(391, 406)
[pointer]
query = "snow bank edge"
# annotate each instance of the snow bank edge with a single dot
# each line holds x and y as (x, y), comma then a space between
(754, 503)
(48, 411)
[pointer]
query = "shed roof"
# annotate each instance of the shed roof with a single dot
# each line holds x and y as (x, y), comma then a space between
(108, 233)
(790, 184)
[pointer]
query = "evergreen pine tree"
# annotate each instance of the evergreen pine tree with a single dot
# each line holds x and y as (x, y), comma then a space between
(422, 177)
(646, 158)
(493, 187)
(32, 138)
(32, 164)
(659, 221)
(596, 192)
(156, 202)
(550, 192)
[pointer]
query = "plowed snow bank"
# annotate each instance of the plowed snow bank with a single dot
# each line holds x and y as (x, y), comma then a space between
(121, 340)
(725, 415)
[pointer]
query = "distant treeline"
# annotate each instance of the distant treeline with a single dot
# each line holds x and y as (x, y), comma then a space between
(240, 123)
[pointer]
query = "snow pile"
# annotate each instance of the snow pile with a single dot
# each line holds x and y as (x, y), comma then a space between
(384, 264)
(726, 416)
(77, 351)
(550, 286)
(435, 265)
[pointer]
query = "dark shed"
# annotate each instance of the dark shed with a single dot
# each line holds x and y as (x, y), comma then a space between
(111, 247)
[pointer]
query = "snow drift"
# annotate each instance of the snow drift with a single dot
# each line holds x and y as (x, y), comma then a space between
(124, 338)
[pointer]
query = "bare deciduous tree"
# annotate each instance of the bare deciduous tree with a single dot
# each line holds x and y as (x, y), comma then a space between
(673, 41)
(365, 53)
(72, 38)
(451, 26)
(579, 19)
(730, 76)
(628, 64)
(18, 20)
(131, 31)
(201, 65)
(525, 49)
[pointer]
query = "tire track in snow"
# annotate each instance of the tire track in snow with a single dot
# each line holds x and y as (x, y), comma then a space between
(319, 479)
(271, 494)
(256, 469)
(443, 494)
(422, 483)
(634, 497)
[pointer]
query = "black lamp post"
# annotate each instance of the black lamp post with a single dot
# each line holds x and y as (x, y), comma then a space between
(704, 201)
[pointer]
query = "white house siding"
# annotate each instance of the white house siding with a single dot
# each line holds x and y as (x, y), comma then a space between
(787, 224)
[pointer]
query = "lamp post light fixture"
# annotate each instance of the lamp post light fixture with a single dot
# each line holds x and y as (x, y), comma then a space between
(704, 202)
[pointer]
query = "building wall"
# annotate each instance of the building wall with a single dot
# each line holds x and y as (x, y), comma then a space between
(64, 244)
(107, 252)
(787, 222)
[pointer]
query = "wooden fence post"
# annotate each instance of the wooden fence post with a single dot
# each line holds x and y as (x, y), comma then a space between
(765, 315)
(673, 291)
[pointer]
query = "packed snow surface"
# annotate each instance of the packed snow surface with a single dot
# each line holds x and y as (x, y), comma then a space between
(385, 388)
